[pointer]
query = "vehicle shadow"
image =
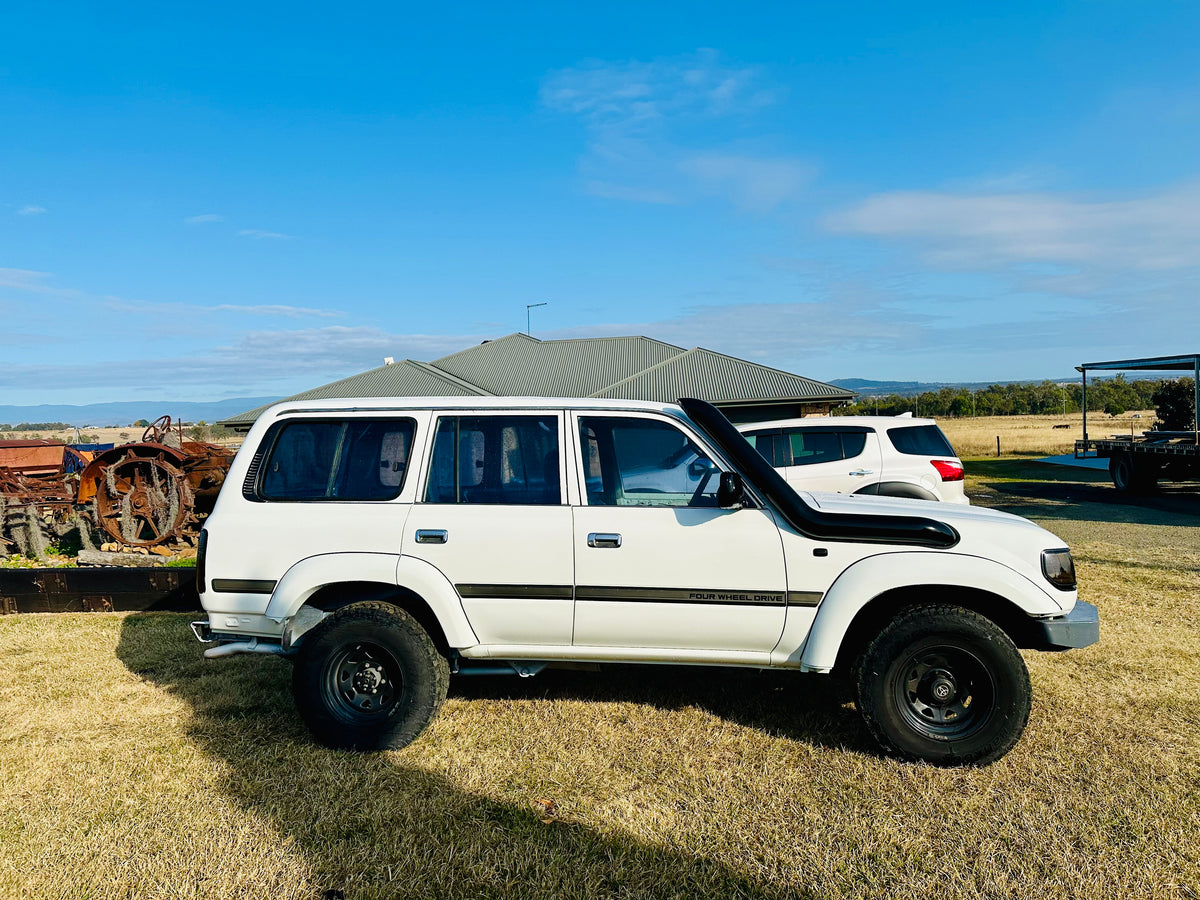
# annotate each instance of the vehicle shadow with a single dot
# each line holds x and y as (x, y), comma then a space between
(379, 826)
(1061, 492)
(807, 708)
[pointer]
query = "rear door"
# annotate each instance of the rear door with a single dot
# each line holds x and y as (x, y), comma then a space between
(841, 459)
(492, 515)
(657, 564)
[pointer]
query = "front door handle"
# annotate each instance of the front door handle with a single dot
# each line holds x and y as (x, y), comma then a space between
(601, 539)
(863, 472)
(431, 536)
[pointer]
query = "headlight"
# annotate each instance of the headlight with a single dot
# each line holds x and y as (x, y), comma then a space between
(1059, 568)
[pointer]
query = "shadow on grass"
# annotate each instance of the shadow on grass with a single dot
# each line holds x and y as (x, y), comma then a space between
(1044, 491)
(373, 827)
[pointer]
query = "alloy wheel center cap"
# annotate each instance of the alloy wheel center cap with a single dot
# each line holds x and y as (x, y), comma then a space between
(368, 679)
(942, 687)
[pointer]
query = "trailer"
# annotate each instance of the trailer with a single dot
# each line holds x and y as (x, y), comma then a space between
(1136, 464)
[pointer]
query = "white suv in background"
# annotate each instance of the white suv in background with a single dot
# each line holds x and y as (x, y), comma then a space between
(891, 456)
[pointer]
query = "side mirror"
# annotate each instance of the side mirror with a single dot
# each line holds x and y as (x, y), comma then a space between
(731, 493)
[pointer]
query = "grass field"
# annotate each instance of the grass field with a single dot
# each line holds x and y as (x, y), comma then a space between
(1035, 435)
(131, 767)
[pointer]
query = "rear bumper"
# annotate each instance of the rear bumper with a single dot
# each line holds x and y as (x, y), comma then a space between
(1078, 628)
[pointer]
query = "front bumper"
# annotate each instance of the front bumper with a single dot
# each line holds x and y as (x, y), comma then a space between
(1078, 628)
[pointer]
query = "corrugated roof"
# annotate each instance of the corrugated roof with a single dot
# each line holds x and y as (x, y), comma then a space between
(521, 366)
(715, 377)
(407, 378)
(618, 368)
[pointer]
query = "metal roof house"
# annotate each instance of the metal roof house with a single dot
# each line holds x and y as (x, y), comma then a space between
(619, 368)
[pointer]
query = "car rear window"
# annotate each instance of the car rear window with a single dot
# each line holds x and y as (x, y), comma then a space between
(920, 440)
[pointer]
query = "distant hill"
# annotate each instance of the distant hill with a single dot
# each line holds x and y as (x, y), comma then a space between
(126, 413)
(867, 388)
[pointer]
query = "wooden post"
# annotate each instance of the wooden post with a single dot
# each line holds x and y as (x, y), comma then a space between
(997, 445)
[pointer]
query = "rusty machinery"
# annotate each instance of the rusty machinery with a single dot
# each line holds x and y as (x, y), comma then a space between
(38, 484)
(142, 494)
(157, 490)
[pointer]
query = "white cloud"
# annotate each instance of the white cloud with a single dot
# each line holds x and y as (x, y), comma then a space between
(753, 185)
(256, 363)
(636, 114)
(628, 94)
(31, 210)
(274, 309)
(258, 235)
(176, 311)
(1157, 231)
(204, 219)
(32, 282)
(779, 334)
(613, 191)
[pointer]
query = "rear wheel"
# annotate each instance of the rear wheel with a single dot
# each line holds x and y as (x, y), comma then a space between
(943, 685)
(1130, 477)
(369, 678)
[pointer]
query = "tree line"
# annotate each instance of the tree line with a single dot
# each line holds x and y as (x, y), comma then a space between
(1110, 395)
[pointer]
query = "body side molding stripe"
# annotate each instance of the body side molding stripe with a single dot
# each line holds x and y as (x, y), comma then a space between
(515, 591)
(243, 586)
(804, 598)
(680, 595)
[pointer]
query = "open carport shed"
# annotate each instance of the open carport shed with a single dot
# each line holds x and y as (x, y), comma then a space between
(1147, 364)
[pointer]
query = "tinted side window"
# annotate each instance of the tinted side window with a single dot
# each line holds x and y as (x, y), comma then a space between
(350, 459)
(810, 446)
(495, 459)
(920, 440)
(644, 462)
(771, 445)
(853, 443)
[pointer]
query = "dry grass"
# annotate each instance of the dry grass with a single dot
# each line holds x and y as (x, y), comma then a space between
(1034, 435)
(130, 767)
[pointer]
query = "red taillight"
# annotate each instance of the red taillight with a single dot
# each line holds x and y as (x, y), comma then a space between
(948, 469)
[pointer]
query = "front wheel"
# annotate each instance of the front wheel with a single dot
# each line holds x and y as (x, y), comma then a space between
(943, 685)
(369, 678)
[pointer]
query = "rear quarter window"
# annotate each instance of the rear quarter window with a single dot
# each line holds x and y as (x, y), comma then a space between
(348, 459)
(920, 440)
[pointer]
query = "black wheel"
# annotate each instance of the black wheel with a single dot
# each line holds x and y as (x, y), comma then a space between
(1120, 469)
(368, 678)
(944, 685)
(1131, 478)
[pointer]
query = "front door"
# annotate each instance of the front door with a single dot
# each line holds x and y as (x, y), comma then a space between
(657, 564)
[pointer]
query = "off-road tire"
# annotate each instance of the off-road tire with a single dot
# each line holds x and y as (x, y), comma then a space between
(943, 685)
(1131, 478)
(368, 678)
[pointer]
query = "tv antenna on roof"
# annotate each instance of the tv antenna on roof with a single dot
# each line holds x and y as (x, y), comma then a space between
(528, 307)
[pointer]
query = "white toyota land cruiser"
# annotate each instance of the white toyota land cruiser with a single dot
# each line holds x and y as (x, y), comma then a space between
(386, 544)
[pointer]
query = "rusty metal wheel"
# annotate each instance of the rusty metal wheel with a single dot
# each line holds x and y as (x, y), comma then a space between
(143, 501)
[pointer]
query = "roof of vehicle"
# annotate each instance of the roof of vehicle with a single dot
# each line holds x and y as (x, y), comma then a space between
(876, 422)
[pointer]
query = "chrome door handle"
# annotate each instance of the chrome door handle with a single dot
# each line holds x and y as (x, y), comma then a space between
(600, 539)
(431, 536)
(863, 472)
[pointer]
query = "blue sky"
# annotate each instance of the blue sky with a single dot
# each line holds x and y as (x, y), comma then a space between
(226, 200)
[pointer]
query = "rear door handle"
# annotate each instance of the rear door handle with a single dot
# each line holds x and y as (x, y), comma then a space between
(601, 539)
(431, 536)
(863, 472)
